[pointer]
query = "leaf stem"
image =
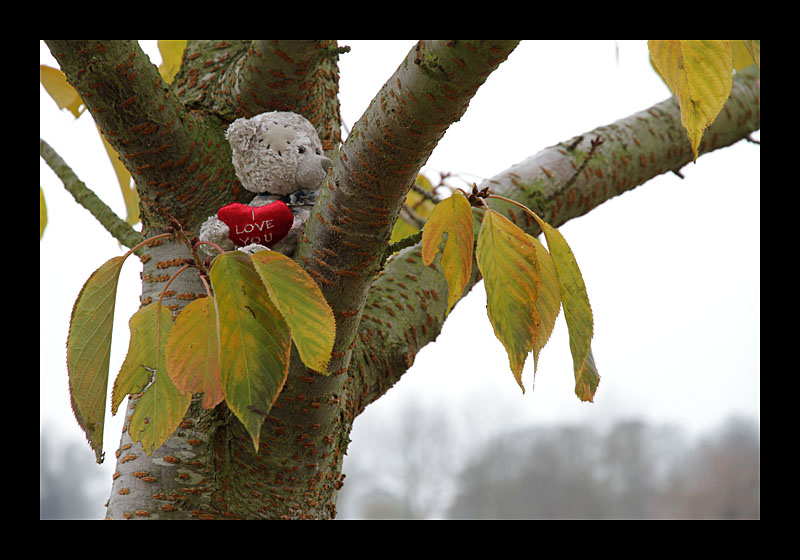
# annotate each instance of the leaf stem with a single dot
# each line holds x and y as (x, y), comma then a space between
(148, 241)
(515, 203)
(174, 276)
(217, 247)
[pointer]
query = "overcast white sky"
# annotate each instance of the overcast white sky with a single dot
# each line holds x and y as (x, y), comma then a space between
(672, 268)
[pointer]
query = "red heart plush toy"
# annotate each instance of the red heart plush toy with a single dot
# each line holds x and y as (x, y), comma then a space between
(265, 225)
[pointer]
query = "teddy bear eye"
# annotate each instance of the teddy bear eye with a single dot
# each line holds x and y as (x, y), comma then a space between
(301, 149)
(318, 152)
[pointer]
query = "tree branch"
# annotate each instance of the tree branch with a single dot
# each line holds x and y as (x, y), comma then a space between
(235, 79)
(635, 150)
(116, 226)
(165, 148)
(297, 76)
(405, 308)
(361, 198)
(171, 138)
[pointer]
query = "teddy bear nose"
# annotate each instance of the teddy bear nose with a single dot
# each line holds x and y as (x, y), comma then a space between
(326, 163)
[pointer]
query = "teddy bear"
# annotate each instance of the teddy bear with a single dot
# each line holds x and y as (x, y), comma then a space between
(277, 155)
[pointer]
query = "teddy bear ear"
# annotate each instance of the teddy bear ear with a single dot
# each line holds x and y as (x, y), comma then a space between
(241, 134)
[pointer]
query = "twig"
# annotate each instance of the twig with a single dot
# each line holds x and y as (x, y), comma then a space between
(575, 143)
(392, 248)
(116, 226)
(597, 141)
(426, 194)
(412, 217)
(514, 202)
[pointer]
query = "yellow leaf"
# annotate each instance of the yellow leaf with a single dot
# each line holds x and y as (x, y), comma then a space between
(754, 48)
(89, 350)
(402, 229)
(453, 216)
(42, 213)
(302, 306)
(129, 194)
(507, 259)
(417, 203)
(254, 341)
(192, 352)
(742, 58)
(65, 96)
(700, 74)
(577, 311)
(171, 56)
(424, 182)
(549, 302)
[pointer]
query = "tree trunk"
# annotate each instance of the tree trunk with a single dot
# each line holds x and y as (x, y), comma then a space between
(171, 138)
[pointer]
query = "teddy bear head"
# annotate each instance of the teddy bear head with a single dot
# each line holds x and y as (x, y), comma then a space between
(277, 153)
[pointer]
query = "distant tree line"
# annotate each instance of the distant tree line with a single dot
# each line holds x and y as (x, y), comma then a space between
(632, 470)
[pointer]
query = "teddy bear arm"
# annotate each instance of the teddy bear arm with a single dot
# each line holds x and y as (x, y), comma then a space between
(288, 244)
(216, 231)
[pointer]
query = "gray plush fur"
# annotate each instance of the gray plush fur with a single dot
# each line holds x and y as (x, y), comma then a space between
(274, 154)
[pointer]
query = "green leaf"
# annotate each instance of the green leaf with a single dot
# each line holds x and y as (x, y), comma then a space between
(142, 358)
(700, 75)
(192, 352)
(549, 302)
(254, 341)
(302, 305)
(161, 407)
(89, 350)
(452, 216)
(507, 259)
(158, 412)
(577, 312)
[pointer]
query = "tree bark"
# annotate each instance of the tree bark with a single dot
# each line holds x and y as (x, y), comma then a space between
(405, 307)
(171, 138)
